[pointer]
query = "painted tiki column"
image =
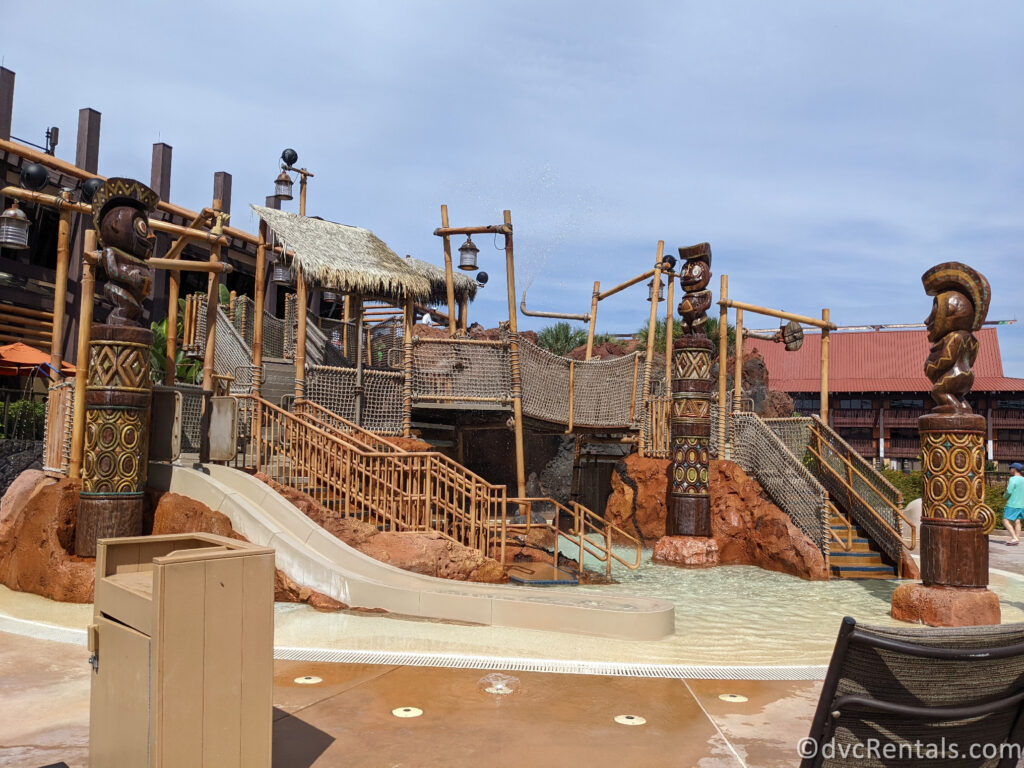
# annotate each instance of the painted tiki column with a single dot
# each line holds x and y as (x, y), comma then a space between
(119, 388)
(688, 501)
(954, 519)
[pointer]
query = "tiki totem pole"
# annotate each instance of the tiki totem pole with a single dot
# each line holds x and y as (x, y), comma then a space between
(119, 387)
(954, 519)
(688, 503)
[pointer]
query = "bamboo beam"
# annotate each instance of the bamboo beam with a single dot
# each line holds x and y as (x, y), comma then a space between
(179, 265)
(595, 297)
(778, 313)
(517, 382)
(625, 285)
(212, 290)
(14, 309)
(737, 375)
(258, 300)
(723, 351)
(826, 325)
(300, 336)
(38, 333)
(496, 229)
(407, 368)
(652, 323)
(88, 287)
(171, 348)
(60, 285)
(448, 277)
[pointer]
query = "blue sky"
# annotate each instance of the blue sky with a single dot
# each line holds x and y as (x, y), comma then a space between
(829, 152)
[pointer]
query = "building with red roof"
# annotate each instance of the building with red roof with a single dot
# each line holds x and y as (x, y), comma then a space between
(877, 390)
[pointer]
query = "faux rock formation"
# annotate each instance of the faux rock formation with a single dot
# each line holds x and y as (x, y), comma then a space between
(747, 528)
(945, 606)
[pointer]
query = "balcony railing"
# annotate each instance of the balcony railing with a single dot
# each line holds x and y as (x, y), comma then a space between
(864, 446)
(852, 417)
(1008, 419)
(902, 447)
(903, 417)
(1008, 449)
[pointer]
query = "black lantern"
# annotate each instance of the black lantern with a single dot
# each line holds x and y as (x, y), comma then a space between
(283, 186)
(89, 189)
(661, 290)
(14, 226)
(33, 176)
(482, 278)
(330, 297)
(289, 157)
(467, 255)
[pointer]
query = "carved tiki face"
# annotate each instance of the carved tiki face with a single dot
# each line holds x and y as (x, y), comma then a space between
(127, 228)
(951, 311)
(696, 275)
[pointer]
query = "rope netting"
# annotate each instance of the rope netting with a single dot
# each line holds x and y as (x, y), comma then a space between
(242, 313)
(386, 343)
(879, 494)
(60, 406)
(273, 336)
(605, 393)
(336, 353)
(316, 340)
(764, 455)
(335, 390)
(231, 355)
(449, 370)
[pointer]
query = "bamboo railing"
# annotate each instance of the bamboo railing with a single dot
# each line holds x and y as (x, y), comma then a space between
(355, 473)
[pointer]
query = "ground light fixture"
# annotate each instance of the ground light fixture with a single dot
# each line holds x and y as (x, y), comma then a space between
(661, 290)
(14, 226)
(467, 255)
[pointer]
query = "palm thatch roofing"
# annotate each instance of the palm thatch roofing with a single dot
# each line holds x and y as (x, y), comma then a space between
(354, 260)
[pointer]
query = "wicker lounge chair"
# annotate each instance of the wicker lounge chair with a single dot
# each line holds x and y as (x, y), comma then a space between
(930, 694)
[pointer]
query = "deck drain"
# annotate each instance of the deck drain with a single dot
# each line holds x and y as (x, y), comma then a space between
(499, 684)
(733, 697)
(407, 712)
(308, 680)
(629, 720)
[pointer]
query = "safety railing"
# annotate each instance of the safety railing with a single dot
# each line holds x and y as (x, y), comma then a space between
(657, 434)
(856, 487)
(843, 520)
(316, 414)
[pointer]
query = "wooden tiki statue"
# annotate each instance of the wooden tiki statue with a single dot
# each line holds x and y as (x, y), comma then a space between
(688, 503)
(954, 519)
(119, 386)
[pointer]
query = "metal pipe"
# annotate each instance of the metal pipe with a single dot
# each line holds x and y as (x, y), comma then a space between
(556, 315)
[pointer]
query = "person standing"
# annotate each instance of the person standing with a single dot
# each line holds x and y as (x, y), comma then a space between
(1014, 509)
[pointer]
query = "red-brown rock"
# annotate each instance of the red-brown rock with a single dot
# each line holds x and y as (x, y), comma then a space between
(945, 606)
(687, 551)
(747, 527)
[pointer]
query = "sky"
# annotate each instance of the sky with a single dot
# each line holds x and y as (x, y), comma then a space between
(829, 152)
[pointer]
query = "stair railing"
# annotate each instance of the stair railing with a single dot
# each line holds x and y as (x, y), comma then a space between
(844, 520)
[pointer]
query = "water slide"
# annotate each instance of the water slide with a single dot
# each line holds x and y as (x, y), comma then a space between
(315, 558)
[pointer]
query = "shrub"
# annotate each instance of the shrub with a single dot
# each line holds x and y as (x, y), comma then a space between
(26, 420)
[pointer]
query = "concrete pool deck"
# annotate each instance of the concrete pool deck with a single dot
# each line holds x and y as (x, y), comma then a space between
(347, 720)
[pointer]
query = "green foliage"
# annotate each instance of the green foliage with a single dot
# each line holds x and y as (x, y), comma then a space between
(186, 369)
(26, 420)
(911, 485)
(223, 295)
(710, 328)
(561, 338)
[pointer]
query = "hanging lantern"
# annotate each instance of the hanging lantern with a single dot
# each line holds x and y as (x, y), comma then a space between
(283, 186)
(289, 157)
(281, 274)
(330, 297)
(33, 176)
(661, 290)
(14, 226)
(792, 335)
(482, 278)
(89, 189)
(467, 255)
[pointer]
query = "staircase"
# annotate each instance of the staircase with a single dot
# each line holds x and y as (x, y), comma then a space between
(356, 473)
(854, 555)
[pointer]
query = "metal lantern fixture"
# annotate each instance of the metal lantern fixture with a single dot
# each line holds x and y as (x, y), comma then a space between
(669, 262)
(289, 157)
(283, 186)
(14, 226)
(482, 278)
(467, 255)
(330, 297)
(792, 335)
(282, 274)
(661, 290)
(89, 189)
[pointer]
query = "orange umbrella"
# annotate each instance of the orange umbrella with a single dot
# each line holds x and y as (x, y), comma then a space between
(20, 360)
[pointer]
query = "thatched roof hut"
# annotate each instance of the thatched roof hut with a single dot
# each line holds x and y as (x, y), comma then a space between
(354, 260)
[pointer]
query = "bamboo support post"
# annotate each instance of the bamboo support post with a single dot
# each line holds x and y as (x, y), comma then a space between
(723, 352)
(60, 286)
(449, 279)
(517, 382)
(625, 285)
(463, 313)
(669, 299)
(593, 319)
(359, 360)
(826, 325)
(212, 298)
(652, 325)
(737, 371)
(300, 334)
(408, 369)
(346, 321)
(632, 397)
(88, 287)
(257, 321)
(171, 349)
